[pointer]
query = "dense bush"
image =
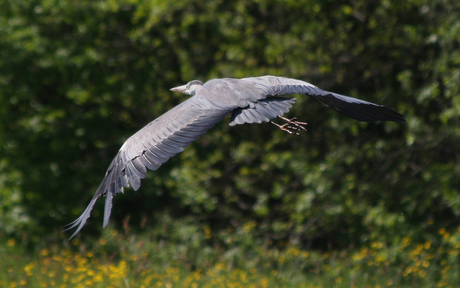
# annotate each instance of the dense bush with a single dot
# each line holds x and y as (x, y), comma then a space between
(79, 77)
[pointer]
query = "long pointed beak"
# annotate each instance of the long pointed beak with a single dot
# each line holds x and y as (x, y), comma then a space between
(179, 88)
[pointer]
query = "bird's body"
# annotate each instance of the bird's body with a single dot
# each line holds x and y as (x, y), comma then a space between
(248, 102)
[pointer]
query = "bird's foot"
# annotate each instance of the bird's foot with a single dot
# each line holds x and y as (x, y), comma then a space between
(292, 126)
(293, 121)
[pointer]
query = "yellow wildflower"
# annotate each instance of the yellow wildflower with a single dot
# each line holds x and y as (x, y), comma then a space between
(28, 269)
(45, 252)
(11, 242)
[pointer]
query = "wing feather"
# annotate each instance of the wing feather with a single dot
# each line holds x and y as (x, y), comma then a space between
(351, 107)
(152, 146)
(262, 111)
(154, 157)
(149, 165)
(139, 165)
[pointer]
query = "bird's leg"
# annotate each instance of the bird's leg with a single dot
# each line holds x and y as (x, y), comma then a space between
(286, 128)
(294, 122)
(292, 126)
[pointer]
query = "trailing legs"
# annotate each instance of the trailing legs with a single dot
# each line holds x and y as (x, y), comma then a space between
(292, 126)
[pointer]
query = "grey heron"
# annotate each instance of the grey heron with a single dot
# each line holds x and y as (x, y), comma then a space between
(246, 100)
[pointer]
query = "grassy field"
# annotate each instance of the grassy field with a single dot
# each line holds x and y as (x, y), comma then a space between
(137, 261)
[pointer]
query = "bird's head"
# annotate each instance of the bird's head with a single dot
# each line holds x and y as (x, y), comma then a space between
(190, 88)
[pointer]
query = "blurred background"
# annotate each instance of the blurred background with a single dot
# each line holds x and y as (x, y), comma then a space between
(348, 203)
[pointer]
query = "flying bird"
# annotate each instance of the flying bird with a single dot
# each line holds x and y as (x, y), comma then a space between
(247, 100)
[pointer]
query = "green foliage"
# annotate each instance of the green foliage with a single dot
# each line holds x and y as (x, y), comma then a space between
(78, 78)
(125, 260)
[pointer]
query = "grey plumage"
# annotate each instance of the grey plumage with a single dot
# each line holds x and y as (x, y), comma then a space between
(262, 111)
(248, 102)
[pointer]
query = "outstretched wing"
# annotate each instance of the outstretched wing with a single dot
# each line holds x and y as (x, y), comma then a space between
(152, 146)
(351, 107)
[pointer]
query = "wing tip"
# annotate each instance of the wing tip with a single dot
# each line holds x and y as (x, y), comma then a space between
(81, 221)
(107, 209)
